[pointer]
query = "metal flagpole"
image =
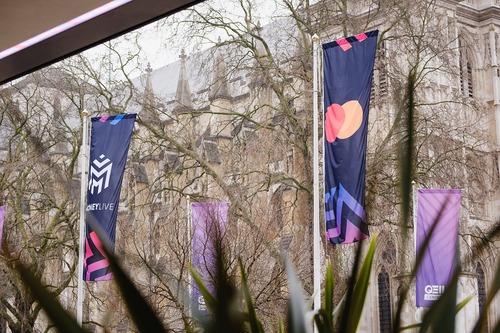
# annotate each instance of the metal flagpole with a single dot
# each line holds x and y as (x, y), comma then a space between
(414, 204)
(316, 245)
(81, 253)
(190, 257)
(418, 311)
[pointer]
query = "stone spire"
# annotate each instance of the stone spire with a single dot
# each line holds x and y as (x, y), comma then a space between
(261, 50)
(148, 98)
(183, 93)
(219, 87)
(148, 89)
(149, 86)
(261, 60)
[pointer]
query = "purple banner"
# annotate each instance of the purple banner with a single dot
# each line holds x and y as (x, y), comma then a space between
(348, 68)
(2, 216)
(440, 207)
(110, 140)
(208, 222)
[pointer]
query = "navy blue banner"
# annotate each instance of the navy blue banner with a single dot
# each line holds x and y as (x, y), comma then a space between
(348, 69)
(110, 140)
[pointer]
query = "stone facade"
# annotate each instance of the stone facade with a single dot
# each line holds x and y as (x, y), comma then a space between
(212, 130)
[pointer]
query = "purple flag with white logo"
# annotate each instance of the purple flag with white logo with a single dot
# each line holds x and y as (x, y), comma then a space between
(2, 215)
(208, 222)
(109, 143)
(348, 68)
(440, 207)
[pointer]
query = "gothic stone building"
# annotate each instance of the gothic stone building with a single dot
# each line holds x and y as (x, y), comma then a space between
(212, 130)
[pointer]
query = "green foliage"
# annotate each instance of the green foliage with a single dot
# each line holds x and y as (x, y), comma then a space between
(353, 315)
(324, 319)
(139, 309)
(233, 311)
(254, 323)
(229, 316)
(62, 320)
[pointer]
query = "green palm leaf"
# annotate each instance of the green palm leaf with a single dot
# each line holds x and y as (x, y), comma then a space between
(360, 288)
(61, 319)
(255, 324)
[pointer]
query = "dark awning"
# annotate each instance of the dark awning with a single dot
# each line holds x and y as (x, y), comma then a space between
(23, 20)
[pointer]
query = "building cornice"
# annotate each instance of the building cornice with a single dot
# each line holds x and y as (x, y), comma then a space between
(484, 15)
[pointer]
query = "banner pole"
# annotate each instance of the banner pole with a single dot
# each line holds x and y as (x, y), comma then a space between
(190, 256)
(316, 239)
(418, 310)
(81, 253)
(414, 203)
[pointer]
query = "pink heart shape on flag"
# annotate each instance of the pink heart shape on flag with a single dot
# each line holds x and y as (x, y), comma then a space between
(334, 119)
(342, 121)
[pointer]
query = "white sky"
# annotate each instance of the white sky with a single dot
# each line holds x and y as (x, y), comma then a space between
(159, 52)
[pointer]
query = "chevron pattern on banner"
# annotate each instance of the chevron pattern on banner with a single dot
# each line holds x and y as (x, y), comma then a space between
(96, 263)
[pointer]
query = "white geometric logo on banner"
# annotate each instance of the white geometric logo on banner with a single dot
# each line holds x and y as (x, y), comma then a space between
(100, 170)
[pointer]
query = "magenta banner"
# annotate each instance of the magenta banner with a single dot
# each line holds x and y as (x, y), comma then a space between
(440, 207)
(208, 222)
(2, 215)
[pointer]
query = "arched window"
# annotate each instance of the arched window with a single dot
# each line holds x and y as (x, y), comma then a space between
(466, 84)
(379, 88)
(384, 302)
(481, 289)
(277, 208)
(383, 80)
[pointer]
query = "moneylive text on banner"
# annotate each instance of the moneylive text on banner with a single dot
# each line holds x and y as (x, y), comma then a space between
(208, 225)
(348, 69)
(439, 207)
(109, 144)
